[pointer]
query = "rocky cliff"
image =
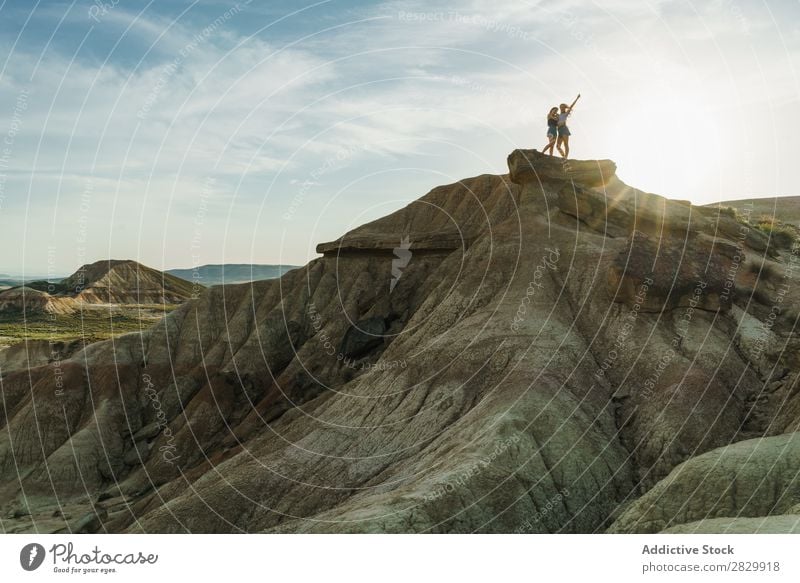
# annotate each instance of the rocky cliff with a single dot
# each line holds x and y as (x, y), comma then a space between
(549, 350)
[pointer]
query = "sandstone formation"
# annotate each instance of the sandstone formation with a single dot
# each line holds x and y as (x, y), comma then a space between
(125, 282)
(102, 282)
(748, 479)
(530, 352)
(23, 299)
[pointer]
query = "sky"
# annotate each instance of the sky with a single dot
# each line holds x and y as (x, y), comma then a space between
(180, 133)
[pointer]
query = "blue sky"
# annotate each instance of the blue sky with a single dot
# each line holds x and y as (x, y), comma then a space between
(179, 133)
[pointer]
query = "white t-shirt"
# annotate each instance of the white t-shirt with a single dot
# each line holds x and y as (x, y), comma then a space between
(562, 118)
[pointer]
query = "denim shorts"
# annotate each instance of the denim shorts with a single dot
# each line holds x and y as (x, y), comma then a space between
(563, 131)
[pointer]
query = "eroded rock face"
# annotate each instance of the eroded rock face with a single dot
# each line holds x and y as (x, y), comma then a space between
(663, 274)
(754, 478)
(125, 282)
(596, 209)
(35, 353)
(530, 166)
(780, 524)
(21, 300)
(461, 365)
(102, 282)
(665, 424)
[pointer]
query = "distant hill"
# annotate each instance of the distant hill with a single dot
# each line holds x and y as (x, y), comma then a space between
(15, 281)
(785, 208)
(230, 273)
(26, 299)
(112, 281)
(124, 282)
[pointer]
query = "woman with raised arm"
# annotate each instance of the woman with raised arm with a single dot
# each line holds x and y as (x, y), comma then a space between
(563, 130)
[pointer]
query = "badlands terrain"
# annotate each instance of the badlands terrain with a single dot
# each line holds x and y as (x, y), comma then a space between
(100, 300)
(546, 351)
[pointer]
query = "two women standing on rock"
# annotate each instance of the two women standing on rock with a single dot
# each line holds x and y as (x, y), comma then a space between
(557, 131)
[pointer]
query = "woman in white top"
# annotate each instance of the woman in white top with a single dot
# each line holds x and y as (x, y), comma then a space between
(563, 130)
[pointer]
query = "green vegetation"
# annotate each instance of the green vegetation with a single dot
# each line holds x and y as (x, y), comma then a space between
(782, 234)
(92, 323)
(742, 218)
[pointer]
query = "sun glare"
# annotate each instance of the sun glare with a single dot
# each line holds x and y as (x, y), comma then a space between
(669, 145)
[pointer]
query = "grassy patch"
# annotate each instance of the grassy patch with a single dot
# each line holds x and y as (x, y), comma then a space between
(781, 234)
(92, 323)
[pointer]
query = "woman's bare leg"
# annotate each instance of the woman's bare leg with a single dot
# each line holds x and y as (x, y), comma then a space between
(559, 148)
(566, 146)
(549, 146)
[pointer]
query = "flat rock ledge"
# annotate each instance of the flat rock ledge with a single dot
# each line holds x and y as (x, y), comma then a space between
(532, 166)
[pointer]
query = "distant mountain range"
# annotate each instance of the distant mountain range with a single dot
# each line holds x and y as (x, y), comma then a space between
(230, 273)
(7, 280)
(206, 275)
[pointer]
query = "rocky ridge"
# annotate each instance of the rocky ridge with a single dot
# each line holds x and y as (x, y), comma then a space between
(549, 350)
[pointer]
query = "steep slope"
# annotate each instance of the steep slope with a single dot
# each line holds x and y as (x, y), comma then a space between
(125, 282)
(521, 353)
(102, 282)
